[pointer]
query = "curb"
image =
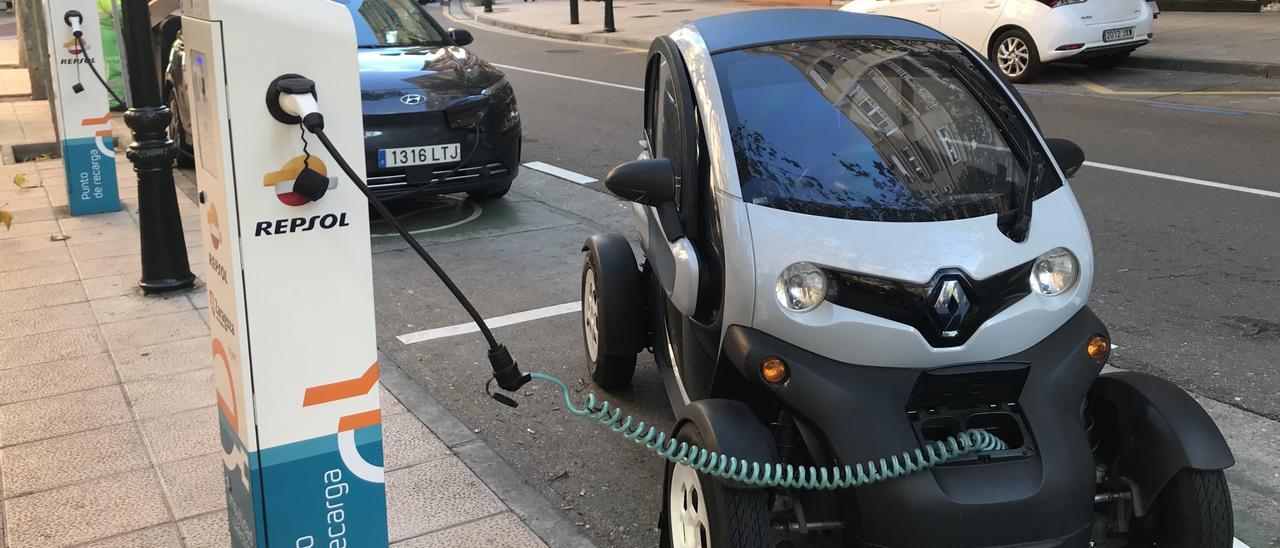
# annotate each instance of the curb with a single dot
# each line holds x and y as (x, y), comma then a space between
(1239, 68)
(600, 38)
(543, 517)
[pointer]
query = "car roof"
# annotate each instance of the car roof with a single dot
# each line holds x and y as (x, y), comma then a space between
(774, 26)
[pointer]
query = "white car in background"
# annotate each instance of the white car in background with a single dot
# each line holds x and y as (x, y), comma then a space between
(1020, 36)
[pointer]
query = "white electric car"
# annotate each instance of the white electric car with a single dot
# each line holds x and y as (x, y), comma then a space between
(841, 266)
(1020, 36)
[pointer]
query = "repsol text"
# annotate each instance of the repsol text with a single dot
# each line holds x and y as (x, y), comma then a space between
(300, 224)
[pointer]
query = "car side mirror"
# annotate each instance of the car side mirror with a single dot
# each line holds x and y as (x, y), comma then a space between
(460, 37)
(1068, 154)
(650, 182)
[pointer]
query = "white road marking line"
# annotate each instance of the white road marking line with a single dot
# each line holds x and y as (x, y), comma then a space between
(1188, 180)
(560, 172)
(500, 321)
(1237, 544)
(567, 77)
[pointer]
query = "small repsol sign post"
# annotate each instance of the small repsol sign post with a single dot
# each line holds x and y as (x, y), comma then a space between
(84, 119)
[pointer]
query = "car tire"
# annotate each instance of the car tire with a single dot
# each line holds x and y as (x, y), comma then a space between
(612, 317)
(702, 512)
(490, 193)
(1014, 54)
(1192, 511)
(185, 157)
(1107, 62)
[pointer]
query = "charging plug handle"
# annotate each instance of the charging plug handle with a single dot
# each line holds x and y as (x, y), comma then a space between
(291, 99)
(74, 19)
(505, 369)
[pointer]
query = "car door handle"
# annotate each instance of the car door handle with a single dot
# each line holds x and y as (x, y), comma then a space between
(991, 5)
(932, 7)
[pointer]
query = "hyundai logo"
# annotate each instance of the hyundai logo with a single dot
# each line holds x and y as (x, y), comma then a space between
(412, 99)
(950, 306)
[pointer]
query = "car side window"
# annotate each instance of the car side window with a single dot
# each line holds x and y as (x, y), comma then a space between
(665, 125)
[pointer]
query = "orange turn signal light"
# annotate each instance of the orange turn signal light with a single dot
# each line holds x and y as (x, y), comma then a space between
(1099, 348)
(774, 370)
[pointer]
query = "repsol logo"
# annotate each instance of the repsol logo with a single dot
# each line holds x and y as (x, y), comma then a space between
(300, 224)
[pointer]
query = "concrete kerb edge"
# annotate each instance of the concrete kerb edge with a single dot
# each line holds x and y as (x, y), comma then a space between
(540, 514)
(1238, 68)
(618, 41)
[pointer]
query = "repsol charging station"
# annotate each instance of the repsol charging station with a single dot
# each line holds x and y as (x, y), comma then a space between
(289, 277)
(80, 99)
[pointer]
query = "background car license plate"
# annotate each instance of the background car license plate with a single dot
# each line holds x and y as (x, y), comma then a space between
(1111, 35)
(417, 156)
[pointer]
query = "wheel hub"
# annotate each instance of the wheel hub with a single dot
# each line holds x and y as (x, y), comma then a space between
(1013, 56)
(687, 509)
(589, 314)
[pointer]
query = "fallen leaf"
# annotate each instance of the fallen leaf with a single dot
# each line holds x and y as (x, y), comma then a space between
(58, 237)
(21, 180)
(6, 218)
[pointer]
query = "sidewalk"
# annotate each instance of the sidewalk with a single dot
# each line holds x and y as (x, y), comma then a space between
(1230, 43)
(108, 430)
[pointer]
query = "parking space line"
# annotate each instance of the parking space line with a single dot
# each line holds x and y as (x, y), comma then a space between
(567, 77)
(1190, 108)
(500, 321)
(1188, 180)
(1104, 90)
(562, 173)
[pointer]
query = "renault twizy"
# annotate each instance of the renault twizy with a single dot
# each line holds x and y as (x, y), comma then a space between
(840, 262)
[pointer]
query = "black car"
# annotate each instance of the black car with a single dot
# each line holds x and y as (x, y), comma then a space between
(410, 70)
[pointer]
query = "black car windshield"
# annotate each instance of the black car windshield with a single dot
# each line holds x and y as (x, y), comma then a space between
(392, 23)
(879, 130)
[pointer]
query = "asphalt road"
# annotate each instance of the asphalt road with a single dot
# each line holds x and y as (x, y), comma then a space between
(1186, 276)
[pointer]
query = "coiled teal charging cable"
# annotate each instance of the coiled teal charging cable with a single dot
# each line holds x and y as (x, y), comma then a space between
(789, 476)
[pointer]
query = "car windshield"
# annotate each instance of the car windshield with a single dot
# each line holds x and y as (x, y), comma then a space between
(392, 23)
(879, 130)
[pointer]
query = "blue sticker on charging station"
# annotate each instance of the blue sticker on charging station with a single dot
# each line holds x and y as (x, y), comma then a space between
(91, 175)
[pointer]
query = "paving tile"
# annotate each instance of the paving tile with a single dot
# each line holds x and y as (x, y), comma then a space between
(407, 442)
(44, 320)
(55, 345)
(97, 234)
(390, 405)
(162, 396)
(195, 485)
(59, 415)
(504, 530)
(111, 286)
(64, 460)
(44, 256)
(98, 250)
(134, 306)
(86, 511)
(31, 382)
(154, 330)
(27, 243)
(145, 362)
(39, 275)
(183, 435)
(29, 200)
(199, 299)
(44, 212)
(41, 296)
(435, 495)
(96, 221)
(107, 266)
(160, 536)
(19, 230)
(206, 531)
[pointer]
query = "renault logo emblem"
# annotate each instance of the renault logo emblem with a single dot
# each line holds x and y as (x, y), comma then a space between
(950, 306)
(412, 99)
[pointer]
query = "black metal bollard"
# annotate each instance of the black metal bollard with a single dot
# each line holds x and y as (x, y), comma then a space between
(164, 249)
(488, 6)
(608, 16)
(573, 12)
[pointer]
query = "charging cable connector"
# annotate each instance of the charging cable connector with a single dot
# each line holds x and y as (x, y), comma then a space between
(74, 19)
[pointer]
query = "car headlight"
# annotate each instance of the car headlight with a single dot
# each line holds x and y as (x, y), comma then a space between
(801, 287)
(502, 93)
(1055, 271)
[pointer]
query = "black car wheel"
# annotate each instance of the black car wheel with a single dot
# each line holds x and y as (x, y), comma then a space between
(1015, 54)
(490, 193)
(701, 512)
(612, 318)
(1192, 511)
